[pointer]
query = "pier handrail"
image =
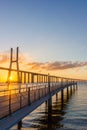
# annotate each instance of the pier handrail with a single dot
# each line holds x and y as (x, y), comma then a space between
(28, 77)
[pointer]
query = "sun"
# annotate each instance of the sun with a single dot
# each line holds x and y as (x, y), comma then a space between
(10, 78)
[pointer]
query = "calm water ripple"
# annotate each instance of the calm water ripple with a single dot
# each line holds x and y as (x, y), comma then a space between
(70, 115)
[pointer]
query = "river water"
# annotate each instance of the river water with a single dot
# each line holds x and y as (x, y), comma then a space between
(69, 115)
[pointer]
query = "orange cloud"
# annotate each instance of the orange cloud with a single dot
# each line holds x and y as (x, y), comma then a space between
(57, 65)
(60, 68)
(49, 66)
(3, 58)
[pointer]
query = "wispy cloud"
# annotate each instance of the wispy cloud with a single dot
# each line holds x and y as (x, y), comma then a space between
(3, 58)
(49, 66)
(57, 65)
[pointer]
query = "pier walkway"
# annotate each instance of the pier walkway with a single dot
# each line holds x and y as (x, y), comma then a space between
(19, 99)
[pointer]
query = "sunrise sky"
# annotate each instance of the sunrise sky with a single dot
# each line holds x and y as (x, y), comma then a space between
(51, 35)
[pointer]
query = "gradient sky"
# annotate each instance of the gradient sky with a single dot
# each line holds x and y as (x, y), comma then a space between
(46, 30)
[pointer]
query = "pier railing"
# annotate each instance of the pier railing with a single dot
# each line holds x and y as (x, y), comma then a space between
(31, 87)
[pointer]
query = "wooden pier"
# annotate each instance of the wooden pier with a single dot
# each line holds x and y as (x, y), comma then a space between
(16, 103)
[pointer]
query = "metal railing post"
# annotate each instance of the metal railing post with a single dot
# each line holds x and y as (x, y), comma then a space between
(20, 95)
(29, 96)
(9, 102)
(49, 83)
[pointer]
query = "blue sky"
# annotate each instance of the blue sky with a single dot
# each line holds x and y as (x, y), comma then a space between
(47, 30)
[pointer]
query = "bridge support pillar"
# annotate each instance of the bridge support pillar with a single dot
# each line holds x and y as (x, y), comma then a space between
(49, 103)
(46, 101)
(62, 95)
(19, 124)
(76, 86)
(71, 89)
(67, 92)
(49, 109)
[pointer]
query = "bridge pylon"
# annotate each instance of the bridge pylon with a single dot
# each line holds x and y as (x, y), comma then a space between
(11, 63)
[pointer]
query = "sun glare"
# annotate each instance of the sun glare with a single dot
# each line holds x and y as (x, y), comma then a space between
(10, 78)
